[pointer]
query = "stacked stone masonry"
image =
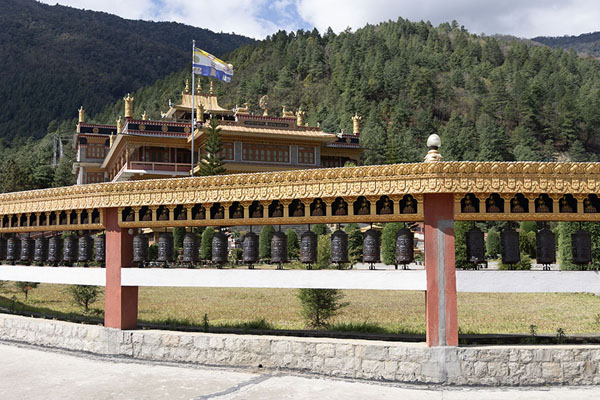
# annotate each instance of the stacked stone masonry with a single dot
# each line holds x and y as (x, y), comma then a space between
(362, 359)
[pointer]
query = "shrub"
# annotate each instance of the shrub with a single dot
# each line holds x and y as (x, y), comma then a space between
(83, 295)
(178, 234)
(527, 243)
(153, 252)
(323, 251)
(565, 229)
(292, 244)
(388, 242)
(320, 305)
(320, 229)
(264, 242)
(460, 244)
(525, 264)
(355, 243)
(206, 244)
(492, 244)
(25, 287)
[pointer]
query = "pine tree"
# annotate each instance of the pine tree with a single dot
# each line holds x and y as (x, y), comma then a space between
(206, 244)
(264, 242)
(292, 244)
(211, 162)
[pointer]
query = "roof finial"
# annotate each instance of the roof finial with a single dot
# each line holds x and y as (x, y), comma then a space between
(81, 115)
(199, 87)
(200, 113)
(187, 86)
(144, 116)
(356, 124)
(300, 117)
(433, 143)
(212, 89)
(128, 106)
(119, 125)
(287, 114)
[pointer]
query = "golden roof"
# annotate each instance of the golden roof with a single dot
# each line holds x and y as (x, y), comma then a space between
(275, 133)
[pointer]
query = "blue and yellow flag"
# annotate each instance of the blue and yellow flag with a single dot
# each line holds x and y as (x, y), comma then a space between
(208, 65)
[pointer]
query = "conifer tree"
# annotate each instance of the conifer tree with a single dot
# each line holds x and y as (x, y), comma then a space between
(211, 162)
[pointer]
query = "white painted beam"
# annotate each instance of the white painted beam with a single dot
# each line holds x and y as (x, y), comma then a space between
(528, 281)
(65, 275)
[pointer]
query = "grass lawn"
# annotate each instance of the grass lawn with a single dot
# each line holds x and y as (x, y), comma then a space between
(393, 311)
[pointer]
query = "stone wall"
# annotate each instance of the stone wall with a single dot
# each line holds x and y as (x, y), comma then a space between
(372, 360)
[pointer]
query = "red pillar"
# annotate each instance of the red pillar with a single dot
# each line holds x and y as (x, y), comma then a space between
(441, 310)
(121, 302)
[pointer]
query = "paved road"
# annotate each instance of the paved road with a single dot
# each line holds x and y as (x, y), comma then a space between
(33, 373)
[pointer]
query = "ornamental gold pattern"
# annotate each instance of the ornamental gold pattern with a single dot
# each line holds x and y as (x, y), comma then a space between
(504, 178)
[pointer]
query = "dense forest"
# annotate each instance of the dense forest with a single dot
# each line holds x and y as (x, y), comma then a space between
(488, 99)
(56, 58)
(587, 44)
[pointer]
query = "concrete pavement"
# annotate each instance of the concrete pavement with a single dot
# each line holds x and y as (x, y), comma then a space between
(34, 373)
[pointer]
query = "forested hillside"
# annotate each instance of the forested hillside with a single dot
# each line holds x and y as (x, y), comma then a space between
(587, 44)
(56, 58)
(488, 99)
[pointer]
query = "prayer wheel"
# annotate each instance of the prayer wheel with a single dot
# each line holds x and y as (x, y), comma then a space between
(250, 248)
(85, 249)
(339, 247)
(581, 247)
(2, 248)
(371, 246)
(190, 248)
(55, 249)
(279, 252)
(511, 252)
(100, 247)
(13, 249)
(165, 247)
(40, 249)
(140, 248)
(546, 247)
(308, 247)
(220, 249)
(475, 246)
(70, 249)
(405, 246)
(26, 249)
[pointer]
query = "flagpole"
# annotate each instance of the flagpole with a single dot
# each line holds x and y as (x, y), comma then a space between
(193, 96)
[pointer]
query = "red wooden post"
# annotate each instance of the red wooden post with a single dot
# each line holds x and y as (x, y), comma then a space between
(441, 309)
(121, 302)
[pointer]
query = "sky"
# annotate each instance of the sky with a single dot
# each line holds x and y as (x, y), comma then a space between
(259, 18)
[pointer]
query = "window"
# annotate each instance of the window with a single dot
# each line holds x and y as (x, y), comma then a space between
(227, 152)
(95, 177)
(95, 150)
(265, 153)
(306, 155)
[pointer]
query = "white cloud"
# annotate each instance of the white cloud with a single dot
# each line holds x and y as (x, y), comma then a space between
(527, 18)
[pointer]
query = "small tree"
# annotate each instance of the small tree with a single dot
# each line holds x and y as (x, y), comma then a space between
(264, 242)
(320, 305)
(324, 251)
(178, 234)
(25, 287)
(492, 244)
(206, 244)
(525, 264)
(292, 244)
(355, 243)
(211, 161)
(320, 229)
(83, 295)
(388, 242)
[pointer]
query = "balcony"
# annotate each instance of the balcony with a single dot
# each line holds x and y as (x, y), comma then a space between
(152, 169)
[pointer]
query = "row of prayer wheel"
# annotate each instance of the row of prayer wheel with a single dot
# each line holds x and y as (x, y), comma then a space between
(581, 247)
(54, 250)
(279, 249)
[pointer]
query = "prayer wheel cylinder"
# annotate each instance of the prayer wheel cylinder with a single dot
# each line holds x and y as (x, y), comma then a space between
(40, 249)
(2, 248)
(140, 248)
(475, 246)
(250, 248)
(55, 249)
(219, 248)
(165, 247)
(70, 249)
(546, 247)
(85, 249)
(26, 249)
(190, 248)
(279, 252)
(511, 252)
(405, 246)
(100, 247)
(371, 246)
(581, 247)
(308, 247)
(13, 249)
(339, 247)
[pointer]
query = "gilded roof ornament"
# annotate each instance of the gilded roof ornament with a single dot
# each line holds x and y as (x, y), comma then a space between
(287, 114)
(356, 124)
(433, 143)
(211, 90)
(81, 115)
(128, 106)
(144, 116)
(199, 87)
(187, 87)
(243, 110)
(300, 117)
(263, 103)
(119, 125)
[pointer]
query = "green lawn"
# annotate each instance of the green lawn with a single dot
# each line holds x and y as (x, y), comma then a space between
(400, 311)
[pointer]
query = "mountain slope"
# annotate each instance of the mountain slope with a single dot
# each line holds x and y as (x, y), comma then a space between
(587, 44)
(56, 58)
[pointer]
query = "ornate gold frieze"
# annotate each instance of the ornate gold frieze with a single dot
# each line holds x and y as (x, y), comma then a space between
(529, 178)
